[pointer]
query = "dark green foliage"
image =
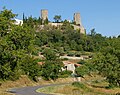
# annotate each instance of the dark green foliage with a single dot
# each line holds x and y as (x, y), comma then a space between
(107, 62)
(65, 74)
(46, 21)
(18, 43)
(6, 21)
(15, 43)
(49, 54)
(52, 66)
(30, 67)
(51, 69)
(66, 26)
(82, 70)
(57, 18)
(108, 65)
(70, 39)
(81, 62)
(71, 54)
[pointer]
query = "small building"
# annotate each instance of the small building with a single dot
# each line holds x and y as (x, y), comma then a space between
(70, 66)
(18, 22)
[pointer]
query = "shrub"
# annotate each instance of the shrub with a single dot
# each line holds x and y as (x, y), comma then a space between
(70, 54)
(81, 62)
(65, 59)
(78, 54)
(65, 74)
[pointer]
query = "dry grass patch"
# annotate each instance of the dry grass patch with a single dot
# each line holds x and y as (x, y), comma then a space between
(21, 82)
(90, 85)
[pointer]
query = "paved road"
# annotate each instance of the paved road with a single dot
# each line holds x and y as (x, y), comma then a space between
(31, 90)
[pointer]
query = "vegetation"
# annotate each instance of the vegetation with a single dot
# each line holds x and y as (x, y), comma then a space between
(108, 65)
(19, 45)
(16, 44)
(57, 18)
(52, 66)
(89, 86)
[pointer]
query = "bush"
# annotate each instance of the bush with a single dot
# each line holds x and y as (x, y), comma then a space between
(78, 54)
(65, 74)
(82, 70)
(65, 58)
(81, 62)
(70, 54)
(62, 54)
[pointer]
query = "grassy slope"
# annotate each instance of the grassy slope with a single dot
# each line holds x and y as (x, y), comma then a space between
(94, 85)
(23, 81)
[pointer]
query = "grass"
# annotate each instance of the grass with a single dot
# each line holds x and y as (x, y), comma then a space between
(91, 85)
(25, 81)
(50, 90)
(22, 82)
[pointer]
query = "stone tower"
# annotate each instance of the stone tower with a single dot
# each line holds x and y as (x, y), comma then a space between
(44, 15)
(77, 20)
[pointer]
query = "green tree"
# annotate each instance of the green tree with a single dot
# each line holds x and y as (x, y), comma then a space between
(46, 21)
(30, 67)
(57, 18)
(108, 65)
(6, 21)
(82, 70)
(49, 54)
(52, 65)
(15, 43)
(67, 26)
(51, 69)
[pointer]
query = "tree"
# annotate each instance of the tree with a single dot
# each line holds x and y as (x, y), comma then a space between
(46, 21)
(108, 65)
(67, 26)
(15, 43)
(82, 70)
(49, 54)
(57, 18)
(51, 69)
(30, 67)
(52, 65)
(6, 21)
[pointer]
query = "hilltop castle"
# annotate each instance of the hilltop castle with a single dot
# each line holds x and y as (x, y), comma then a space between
(77, 24)
(77, 21)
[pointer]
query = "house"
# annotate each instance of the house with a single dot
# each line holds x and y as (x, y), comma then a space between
(67, 65)
(70, 66)
(18, 22)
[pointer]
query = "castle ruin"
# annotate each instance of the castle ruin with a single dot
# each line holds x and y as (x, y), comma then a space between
(77, 18)
(44, 15)
(77, 21)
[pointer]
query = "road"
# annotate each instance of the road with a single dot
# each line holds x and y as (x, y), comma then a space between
(31, 90)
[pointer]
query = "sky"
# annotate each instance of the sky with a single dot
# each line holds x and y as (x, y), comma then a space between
(103, 15)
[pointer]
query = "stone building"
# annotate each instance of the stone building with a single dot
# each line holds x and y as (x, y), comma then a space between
(44, 15)
(18, 22)
(78, 23)
(77, 18)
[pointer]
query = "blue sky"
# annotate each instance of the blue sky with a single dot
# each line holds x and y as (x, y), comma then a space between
(103, 15)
